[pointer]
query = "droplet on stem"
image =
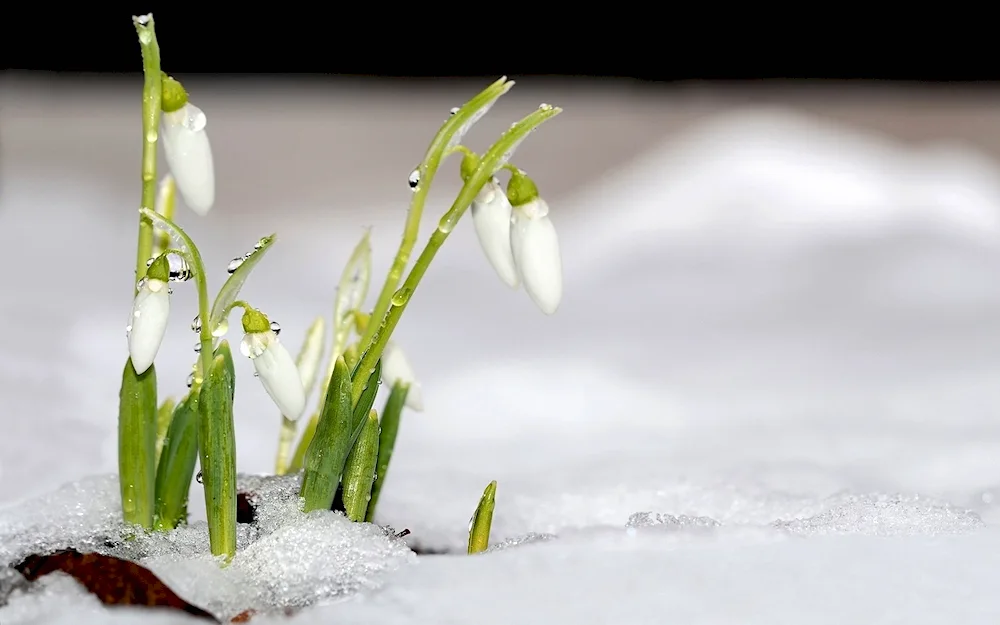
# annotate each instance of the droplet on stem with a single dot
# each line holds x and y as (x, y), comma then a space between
(196, 324)
(414, 179)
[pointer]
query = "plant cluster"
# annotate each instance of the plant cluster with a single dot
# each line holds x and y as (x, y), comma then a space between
(346, 443)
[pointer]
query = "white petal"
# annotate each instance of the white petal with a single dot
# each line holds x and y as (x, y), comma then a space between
(396, 368)
(491, 218)
(535, 245)
(189, 156)
(148, 323)
(276, 370)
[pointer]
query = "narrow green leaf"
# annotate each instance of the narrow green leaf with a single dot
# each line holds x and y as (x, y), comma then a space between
(227, 356)
(217, 446)
(181, 239)
(327, 453)
(176, 468)
(163, 416)
(300, 450)
(359, 471)
(482, 520)
(231, 289)
(367, 399)
(387, 441)
(137, 445)
(351, 294)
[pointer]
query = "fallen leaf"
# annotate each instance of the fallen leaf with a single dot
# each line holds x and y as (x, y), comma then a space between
(244, 616)
(246, 512)
(114, 581)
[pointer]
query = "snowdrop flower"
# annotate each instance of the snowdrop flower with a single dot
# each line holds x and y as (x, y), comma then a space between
(534, 243)
(491, 216)
(275, 367)
(186, 146)
(150, 310)
(396, 368)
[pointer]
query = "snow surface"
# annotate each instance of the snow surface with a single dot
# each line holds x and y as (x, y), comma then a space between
(769, 396)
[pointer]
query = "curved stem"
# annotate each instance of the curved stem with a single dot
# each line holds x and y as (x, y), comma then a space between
(449, 134)
(151, 103)
(492, 160)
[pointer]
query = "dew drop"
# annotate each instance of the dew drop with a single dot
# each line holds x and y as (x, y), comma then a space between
(545, 106)
(200, 478)
(447, 223)
(256, 375)
(180, 271)
(128, 330)
(414, 179)
(170, 290)
(190, 381)
(453, 110)
(259, 244)
(152, 135)
(197, 347)
(141, 283)
(275, 327)
(149, 263)
(196, 324)
(194, 119)
(235, 264)
(221, 329)
(400, 297)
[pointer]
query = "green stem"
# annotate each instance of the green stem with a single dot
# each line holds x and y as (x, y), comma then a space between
(493, 159)
(193, 257)
(151, 104)
(443, 141)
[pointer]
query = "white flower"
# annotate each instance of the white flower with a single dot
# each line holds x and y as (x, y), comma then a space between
(189, 156)
(535, 244)
(148, 323)
(396, 368)
(276, 370)
(491, 216)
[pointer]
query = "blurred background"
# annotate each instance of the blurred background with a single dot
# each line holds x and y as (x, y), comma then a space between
(750, 251)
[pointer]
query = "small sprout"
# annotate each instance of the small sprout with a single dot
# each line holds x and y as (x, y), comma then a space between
(482, 520)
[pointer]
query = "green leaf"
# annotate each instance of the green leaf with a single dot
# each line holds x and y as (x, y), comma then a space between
(181, 240)
(482, 520)
(359, 471)
(387, 441)
(163, 416)
(217, 444)
(227, 356)
(231, 289)
(176, 468)
(327, 453)
(137, 445)
(367, 399)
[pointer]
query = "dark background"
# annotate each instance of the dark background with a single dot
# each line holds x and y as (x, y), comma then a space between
(661, 43)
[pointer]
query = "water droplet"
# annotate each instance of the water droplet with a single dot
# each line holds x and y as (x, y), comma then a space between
(190, 381)
(197, 347)
(259, 244)
(140, 284)
(235, 264)
(545, 107)
(275, 327)
(256, 375)
(199, 478)
(194, 119)
(170, 290)
(414, 179)
(453, 110)
(179, 269)
(152, 135)
(196, 324)
(447, 223)
(149, 263)
(128, 330)
(400, 297)
(221, 329)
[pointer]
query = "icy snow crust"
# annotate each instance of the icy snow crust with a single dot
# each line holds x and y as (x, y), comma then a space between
(769, 397)
(285, 559)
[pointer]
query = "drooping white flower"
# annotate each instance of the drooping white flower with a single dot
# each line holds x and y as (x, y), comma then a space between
(189, 156)
(275, 367)
(396, 368)
(150, 311)
(535, 244)
(491, 216)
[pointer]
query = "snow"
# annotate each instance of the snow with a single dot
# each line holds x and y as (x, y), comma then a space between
(768, 396)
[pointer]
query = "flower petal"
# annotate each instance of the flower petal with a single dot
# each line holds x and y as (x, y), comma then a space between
(148, 324)
(491, 213)
(276, 370)
(396, 368)
(189, 156)
(535, 245)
